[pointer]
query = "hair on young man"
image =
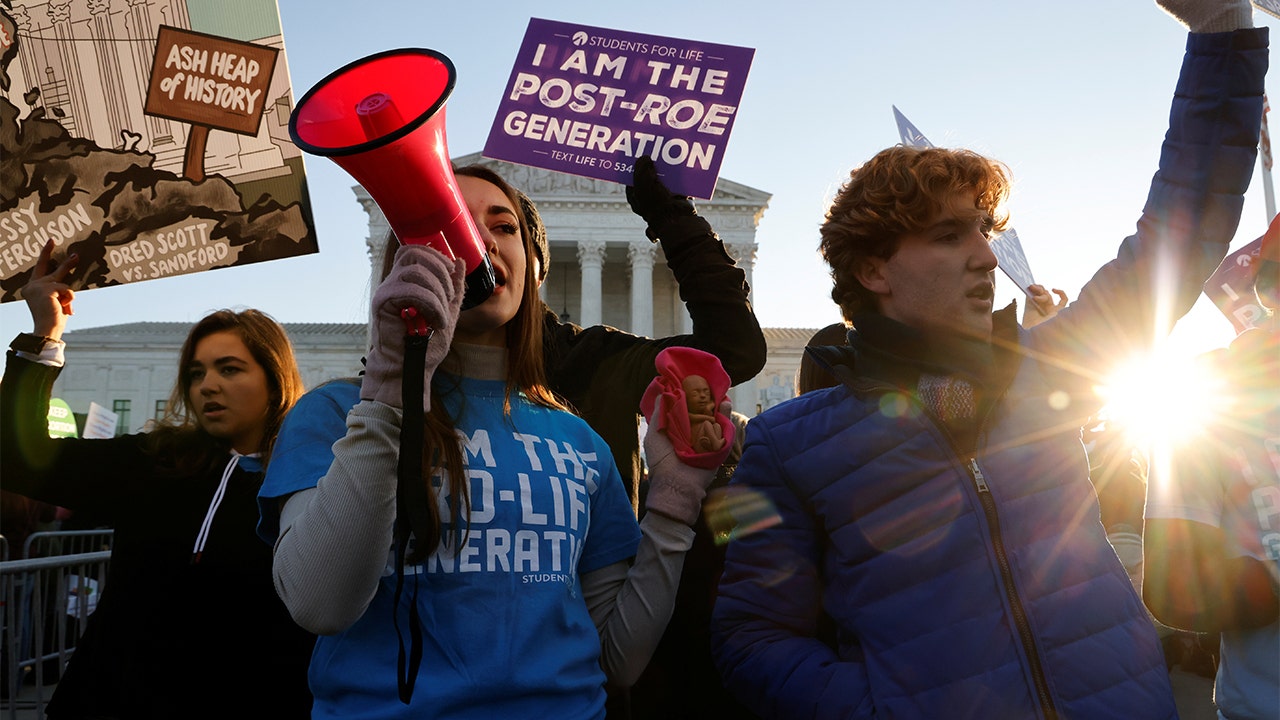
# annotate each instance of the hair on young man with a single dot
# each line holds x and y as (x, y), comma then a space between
(898, 191)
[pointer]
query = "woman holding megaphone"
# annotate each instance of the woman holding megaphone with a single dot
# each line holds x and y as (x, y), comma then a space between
(512, 579)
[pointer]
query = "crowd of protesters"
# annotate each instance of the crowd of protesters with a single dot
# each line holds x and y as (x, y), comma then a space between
(522, 517)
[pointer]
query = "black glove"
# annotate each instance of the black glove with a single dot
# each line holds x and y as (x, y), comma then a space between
(651, 200)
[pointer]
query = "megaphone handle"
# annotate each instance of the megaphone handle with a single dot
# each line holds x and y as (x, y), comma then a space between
(417, 337)
(409, 473)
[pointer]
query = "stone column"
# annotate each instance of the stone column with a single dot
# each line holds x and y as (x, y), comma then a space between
(148, 410)
(745, 395)
(375, 244)
(686, 320)
(641, 254)
(744, 255)
(591, 261)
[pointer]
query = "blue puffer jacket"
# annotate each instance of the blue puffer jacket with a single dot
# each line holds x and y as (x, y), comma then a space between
(978, 583)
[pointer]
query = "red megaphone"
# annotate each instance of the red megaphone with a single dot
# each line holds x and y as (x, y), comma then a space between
(381, 118)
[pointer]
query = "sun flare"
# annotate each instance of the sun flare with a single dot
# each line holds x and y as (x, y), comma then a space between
(1161, 399)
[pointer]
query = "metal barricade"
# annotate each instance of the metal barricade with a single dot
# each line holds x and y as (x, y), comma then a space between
(66, 542)
(46, 602)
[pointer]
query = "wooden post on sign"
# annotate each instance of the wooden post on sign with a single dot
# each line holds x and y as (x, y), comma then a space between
(193, 161)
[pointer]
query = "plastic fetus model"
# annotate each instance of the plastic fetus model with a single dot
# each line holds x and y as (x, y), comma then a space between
(705, 434)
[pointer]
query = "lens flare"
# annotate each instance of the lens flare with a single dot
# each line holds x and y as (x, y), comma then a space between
(1162, 399)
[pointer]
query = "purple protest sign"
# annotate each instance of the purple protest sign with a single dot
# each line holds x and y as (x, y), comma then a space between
(587, 101)
(1230, 287)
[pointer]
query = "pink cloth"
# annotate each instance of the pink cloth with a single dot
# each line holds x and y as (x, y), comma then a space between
(674, 364)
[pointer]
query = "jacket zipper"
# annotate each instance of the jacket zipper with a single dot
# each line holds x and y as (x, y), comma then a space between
(997, 541)
(1015, 602)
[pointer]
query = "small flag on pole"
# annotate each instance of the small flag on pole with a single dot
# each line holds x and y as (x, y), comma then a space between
(908, 132)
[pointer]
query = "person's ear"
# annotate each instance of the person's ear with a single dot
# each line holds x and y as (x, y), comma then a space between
(871, 273)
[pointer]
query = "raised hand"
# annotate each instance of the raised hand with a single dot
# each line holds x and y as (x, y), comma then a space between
(651, 200)
(1040, 305)
(48, 295)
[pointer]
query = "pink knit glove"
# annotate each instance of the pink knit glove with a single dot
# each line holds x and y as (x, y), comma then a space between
(424, 279)
(1210, 16)
(676, 489)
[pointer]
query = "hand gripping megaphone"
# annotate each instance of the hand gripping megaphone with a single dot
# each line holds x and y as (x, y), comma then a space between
(381, 118)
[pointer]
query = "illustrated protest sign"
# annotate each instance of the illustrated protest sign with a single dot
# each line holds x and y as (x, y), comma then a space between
(149, 144)
(588, 101)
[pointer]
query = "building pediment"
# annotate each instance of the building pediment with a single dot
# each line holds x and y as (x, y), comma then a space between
(547, 185)
(603, 270)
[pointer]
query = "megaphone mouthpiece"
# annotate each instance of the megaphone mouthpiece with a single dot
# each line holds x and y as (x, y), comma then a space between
(378, 116)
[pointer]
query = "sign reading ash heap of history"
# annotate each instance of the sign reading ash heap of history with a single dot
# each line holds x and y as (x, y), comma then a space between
(588, 101)
(169, 159)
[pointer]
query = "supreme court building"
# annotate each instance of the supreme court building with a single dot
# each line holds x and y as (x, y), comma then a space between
(603, 270)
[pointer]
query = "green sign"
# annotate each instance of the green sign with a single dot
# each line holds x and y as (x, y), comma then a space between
(62, 423)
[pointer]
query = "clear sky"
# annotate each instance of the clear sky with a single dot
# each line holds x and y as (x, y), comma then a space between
(1074, 97)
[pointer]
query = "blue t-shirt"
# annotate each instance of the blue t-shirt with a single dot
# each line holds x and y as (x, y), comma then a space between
(506, 632)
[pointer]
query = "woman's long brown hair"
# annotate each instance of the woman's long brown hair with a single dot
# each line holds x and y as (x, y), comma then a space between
(526, 375)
